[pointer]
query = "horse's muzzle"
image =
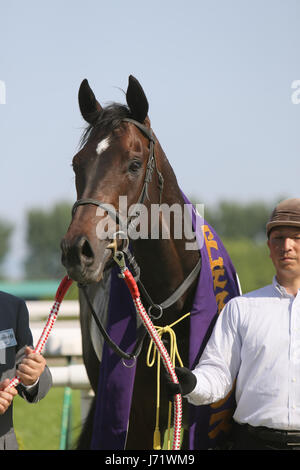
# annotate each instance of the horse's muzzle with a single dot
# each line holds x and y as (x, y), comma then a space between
(80, 260)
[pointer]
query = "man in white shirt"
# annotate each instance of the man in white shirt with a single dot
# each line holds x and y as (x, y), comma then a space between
(256, 340)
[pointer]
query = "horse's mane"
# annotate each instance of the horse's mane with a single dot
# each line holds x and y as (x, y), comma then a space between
(109, 119)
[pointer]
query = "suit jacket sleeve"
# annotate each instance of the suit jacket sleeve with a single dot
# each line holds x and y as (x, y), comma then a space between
(24, 338)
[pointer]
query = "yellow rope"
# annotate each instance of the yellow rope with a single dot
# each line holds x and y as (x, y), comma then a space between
(174, 354)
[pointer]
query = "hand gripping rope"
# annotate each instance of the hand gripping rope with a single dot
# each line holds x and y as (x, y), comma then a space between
(133, 288)
(60, 293)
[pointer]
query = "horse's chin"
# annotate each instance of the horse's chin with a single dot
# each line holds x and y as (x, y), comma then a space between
(90, 274)
(84, 276)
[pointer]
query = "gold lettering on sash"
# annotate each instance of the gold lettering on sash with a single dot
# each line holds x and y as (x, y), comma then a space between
(216, 266)
(210, 245)
(217, 269)
(216, 277)
(224, 418)
(220, 297)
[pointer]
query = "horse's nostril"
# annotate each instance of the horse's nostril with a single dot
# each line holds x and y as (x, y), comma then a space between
(77, 253)
(86, 250)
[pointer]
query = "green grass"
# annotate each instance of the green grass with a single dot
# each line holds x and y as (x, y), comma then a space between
(38, 426)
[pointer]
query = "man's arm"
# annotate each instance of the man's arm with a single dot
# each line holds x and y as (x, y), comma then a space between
(213, 377)
(35, 376)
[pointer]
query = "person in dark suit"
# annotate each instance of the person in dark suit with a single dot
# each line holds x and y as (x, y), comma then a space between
(18, 358)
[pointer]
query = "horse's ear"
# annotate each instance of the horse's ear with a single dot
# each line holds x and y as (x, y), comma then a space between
(136, 100)
(89, 106)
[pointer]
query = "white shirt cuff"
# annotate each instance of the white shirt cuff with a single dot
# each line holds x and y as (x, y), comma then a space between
(28, 387)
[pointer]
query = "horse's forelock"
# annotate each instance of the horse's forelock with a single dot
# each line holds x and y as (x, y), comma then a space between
(109, 119)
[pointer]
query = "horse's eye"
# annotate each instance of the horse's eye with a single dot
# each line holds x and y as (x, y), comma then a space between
(134, 166)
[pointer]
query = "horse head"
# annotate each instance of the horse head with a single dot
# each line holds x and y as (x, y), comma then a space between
(115, 159)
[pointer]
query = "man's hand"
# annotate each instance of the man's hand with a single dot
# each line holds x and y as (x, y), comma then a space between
(6, 395)
(31, 367)
(187, 382)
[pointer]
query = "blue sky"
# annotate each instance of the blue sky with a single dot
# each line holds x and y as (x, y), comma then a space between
(217, 74)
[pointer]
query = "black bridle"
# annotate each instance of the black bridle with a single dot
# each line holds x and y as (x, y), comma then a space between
(151, 165)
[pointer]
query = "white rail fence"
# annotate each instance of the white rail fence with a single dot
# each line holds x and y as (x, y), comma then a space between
(64, 342)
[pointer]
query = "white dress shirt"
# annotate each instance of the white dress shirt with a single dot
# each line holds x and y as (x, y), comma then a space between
(256, 340)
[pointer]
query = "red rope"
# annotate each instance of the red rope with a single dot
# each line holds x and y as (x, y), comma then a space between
(60, 293)
(132, 286)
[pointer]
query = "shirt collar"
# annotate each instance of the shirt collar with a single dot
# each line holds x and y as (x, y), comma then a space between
(282, 290)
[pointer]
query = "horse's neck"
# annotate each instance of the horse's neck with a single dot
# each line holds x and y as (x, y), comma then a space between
(166, 263)
(163, 270)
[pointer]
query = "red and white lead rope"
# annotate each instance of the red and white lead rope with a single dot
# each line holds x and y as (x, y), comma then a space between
(132, 286)
(60, 293)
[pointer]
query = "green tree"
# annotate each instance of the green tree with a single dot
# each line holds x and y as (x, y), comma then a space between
(242, 228)
(6, 230)
(45, 230)
(251, 261)
(235, 220)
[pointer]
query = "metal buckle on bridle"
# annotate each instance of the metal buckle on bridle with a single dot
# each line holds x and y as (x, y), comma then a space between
(120, 260)
(129, 366)
(158, 307)
(118, 255)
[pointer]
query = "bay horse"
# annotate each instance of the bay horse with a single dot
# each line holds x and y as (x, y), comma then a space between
(120, 155)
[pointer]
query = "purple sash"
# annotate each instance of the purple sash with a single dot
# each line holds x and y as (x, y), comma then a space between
(217, 284)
